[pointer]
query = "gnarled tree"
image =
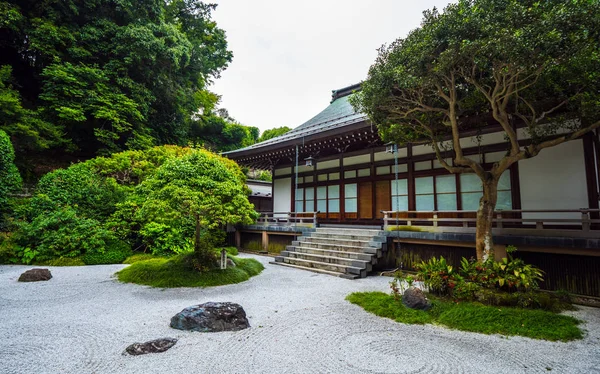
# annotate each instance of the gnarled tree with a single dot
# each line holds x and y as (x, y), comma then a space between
(515, 64)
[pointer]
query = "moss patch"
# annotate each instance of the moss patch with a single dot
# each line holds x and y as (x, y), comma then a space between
(176, 272)
(465, 316)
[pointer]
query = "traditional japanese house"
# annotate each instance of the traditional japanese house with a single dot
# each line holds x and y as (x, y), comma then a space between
(334, 172)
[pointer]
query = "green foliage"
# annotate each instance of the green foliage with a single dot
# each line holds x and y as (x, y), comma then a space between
(139, 257)
(61, 233)
(25, 126)
(116, 253)
(437, 275)
(103, 76)
(541, 56)
(63, 261)
(199, 190)
(384, 305)
(509, 282)
(474, 317)
(273, 133)
(232, 251)
(178, 271)
(10, 179)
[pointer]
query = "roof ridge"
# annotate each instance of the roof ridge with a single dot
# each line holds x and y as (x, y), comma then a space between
(345, 91)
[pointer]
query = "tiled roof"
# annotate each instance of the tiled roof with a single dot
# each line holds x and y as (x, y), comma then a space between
(338, 114)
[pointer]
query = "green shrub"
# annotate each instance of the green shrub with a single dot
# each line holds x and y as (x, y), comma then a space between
(116, 253)
(232, 251)
(139, 257)
(61, 233)
(10, 179)
(63, 261)
(437, 275)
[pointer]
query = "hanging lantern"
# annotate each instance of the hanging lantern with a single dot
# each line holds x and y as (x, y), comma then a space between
(391, 147)
(310, 161)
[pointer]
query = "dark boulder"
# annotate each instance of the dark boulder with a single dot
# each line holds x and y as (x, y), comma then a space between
(414, 298)
(211, 317)
(35, 275)
(153, 346)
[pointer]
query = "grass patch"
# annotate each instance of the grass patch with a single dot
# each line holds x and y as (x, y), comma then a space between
(63, 261)
(473, 317)
(176, 272)
(140, 257)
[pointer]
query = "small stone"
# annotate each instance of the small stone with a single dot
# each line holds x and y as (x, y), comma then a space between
(230, 263)
(153, 346)
(211, 317)
(414, 298)
(35, 275)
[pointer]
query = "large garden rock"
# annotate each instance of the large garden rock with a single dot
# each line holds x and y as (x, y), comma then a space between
(414, 298)
(153, 346)
(211, 317)
(35, 275)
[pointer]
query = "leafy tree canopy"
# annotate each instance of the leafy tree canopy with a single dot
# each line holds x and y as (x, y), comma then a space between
(194, 195)
(10, 179)
(530, 63)
(104, 76)
(273, 133)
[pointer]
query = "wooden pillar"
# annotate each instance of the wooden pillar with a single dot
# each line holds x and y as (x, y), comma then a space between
(265, 241)
(238, 239)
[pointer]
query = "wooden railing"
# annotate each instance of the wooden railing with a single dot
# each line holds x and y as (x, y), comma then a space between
(561, 222)
(305, 219)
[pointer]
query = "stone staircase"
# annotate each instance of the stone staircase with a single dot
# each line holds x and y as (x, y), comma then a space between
(344, 252)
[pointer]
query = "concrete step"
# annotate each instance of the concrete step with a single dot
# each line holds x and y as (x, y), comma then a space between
(365, 238)
(344, 231)
(329, 252)
(341, 241)
(364, 264)
(315, 270)
(361, 272)
(339, 247)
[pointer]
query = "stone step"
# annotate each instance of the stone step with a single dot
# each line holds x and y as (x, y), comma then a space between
(363, 264)
(323, 266)
(342, 236)
(329, 252)
(339, 247)
(344, 231)
(342, 242)
(315, 270)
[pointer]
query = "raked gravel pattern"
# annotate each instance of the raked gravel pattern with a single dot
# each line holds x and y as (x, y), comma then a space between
(83, 318)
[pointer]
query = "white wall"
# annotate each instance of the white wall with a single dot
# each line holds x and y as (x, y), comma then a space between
(282, 192)
(554, 179)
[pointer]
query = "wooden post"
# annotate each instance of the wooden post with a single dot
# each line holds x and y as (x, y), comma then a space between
(585, 220)
(265, 241)
(385, 221)
(435, 219)
(499, 220)
(238, 239)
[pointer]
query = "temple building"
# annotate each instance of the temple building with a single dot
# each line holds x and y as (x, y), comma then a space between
(334, 172)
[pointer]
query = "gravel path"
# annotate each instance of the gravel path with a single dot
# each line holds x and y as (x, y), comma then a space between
(82, 319)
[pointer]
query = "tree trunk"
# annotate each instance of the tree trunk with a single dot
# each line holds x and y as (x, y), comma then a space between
(197, 234)
(484, 243)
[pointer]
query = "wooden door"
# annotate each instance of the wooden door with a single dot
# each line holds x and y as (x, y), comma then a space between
(365, 200)
(383, 197)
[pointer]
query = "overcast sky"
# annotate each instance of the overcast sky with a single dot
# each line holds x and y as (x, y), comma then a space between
(289, 55)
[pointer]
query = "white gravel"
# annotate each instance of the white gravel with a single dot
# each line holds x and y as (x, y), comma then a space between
(82, 319)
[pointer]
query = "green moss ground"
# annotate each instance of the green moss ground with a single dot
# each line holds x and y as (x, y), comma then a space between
(473, 317)
(176, 272)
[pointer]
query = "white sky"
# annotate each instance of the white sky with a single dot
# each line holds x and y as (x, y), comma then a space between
(289, 55)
